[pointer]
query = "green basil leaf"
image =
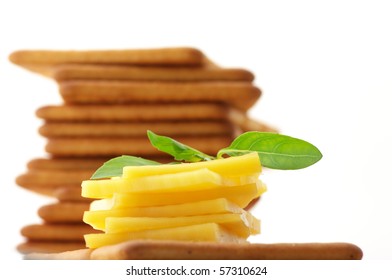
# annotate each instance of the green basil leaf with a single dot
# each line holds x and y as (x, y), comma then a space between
(114, 167)
(275, 151)
(179, 151)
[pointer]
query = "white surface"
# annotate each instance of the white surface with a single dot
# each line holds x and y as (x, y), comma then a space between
(326, 74)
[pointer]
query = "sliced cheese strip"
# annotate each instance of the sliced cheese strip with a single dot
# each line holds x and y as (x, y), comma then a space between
(97, 218)
(205, 232)
(242, 225)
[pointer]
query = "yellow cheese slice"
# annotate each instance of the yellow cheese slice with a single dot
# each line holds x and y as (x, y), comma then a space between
(210, 232)
(245, 165)
(240, 195)
(242, 225)
(216, 206)
(193, 180)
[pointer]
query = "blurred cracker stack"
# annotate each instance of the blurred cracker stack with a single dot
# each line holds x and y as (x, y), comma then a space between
(110, 99)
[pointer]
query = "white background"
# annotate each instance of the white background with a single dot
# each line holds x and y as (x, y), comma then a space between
(325, 68)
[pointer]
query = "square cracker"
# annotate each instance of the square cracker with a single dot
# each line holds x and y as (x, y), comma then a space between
(66, 72)
(137, 146)
(135, 129)
(57, 232)
(63, 212)
(43, 61)
(175, 250)
(241, 95)
(134, 112)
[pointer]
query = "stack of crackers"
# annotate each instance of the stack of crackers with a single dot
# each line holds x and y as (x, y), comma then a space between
(110, 99)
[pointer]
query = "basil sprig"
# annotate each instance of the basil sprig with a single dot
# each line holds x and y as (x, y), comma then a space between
(179, 151)
(275, 151)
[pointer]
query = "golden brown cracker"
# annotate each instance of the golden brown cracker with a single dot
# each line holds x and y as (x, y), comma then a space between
(89, 164)
(42, 61)
(47, 181)
(134, 112)
(52, 247)
(80, 254)
(51, 191)
(63, 212)
(53, 178)
(57, 232)
(241, 95)
(175, 250)
(134, 73)
(128, 146)
(130, 129)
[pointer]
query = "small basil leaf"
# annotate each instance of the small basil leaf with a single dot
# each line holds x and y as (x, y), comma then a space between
(179, 151)
(114, 167)
(275, 151)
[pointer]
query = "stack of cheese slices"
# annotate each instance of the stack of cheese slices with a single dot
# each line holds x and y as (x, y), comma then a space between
(194, 202)
(110, 99)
